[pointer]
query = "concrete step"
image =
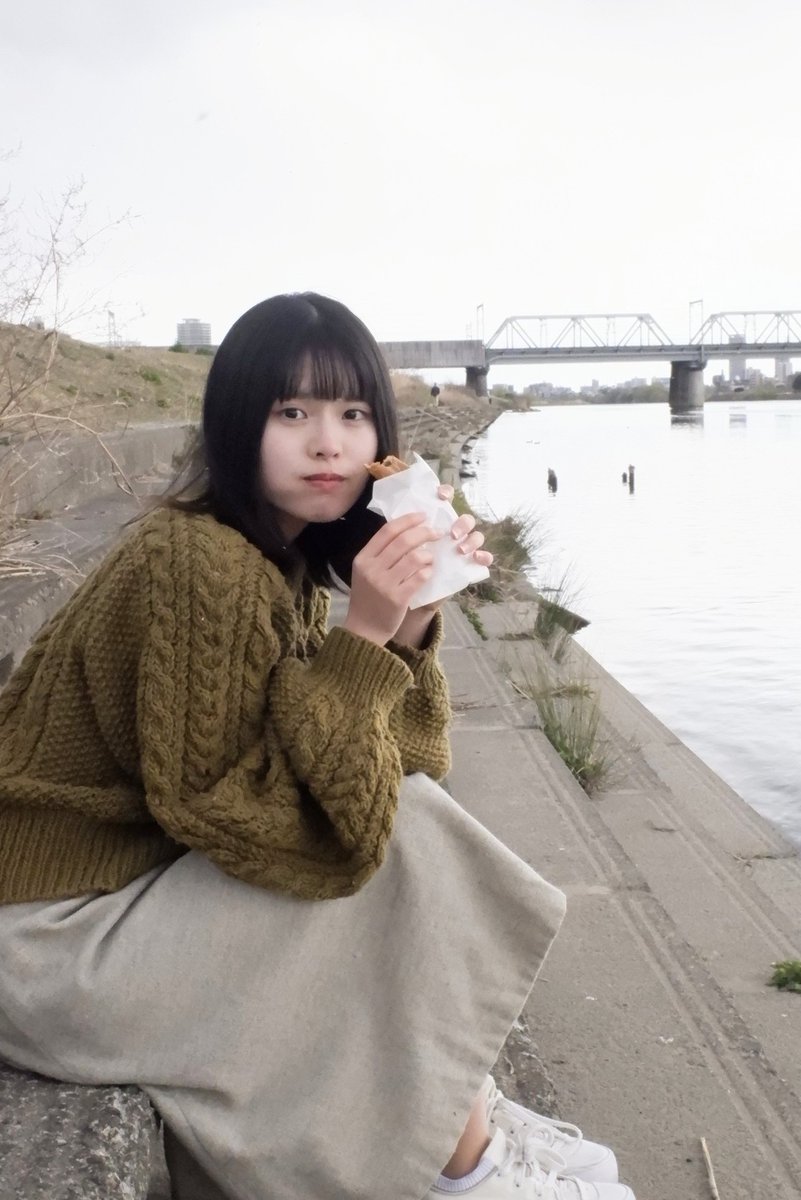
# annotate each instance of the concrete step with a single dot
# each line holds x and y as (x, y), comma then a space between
(653, 1014)
(65, 547)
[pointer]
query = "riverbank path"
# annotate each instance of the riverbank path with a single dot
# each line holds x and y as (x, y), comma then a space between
(652, 1015)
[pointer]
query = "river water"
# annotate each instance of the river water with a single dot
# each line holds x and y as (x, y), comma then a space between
(692, 581)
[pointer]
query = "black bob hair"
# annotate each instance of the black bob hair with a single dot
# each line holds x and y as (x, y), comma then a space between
(262, 360)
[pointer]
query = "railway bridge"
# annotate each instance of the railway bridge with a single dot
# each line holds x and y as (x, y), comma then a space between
(614, 337)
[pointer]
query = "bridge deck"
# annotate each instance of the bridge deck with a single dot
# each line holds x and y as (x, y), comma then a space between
(434, 354)
(429, 355)
(689, 352)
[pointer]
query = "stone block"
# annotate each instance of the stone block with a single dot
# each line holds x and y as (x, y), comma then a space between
(64, 1141)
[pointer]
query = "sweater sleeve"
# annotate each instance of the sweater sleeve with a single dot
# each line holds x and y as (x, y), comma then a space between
(421, 718)
(282, 771)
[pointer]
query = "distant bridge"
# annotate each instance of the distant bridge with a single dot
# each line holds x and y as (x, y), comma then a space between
(613, 337)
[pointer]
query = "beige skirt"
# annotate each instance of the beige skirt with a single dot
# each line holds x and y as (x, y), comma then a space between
(298, 1049)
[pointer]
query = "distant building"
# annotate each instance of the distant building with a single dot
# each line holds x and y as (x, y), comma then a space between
(782, 370)
(546, 391)
(737, 361)
(192, 333)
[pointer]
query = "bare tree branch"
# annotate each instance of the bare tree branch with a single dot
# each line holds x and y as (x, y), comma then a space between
(33, 312)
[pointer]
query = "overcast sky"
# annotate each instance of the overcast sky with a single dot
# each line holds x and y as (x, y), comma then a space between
(415, 159)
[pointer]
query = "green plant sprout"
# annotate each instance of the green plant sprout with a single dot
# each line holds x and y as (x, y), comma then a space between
(786, 975)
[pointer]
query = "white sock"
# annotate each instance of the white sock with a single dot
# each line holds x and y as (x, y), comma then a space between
(485, 1167)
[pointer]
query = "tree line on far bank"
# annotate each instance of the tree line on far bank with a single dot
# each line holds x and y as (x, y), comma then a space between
(657, 393)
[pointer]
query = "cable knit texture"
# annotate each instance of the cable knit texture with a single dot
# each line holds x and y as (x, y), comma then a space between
(189, 695)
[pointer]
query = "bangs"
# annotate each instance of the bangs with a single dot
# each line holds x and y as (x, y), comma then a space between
(331, 372)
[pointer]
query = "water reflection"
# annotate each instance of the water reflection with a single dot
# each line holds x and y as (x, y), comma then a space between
(688, 420)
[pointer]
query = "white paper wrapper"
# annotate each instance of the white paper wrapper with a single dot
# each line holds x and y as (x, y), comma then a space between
(415, 490)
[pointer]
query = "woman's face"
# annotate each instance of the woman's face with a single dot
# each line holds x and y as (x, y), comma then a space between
(314, 456)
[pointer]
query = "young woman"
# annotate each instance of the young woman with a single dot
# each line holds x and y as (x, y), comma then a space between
(227, 873)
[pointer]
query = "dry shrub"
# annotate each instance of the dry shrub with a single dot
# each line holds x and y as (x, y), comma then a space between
(412, 391)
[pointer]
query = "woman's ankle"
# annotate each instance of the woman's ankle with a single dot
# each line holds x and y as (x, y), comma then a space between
(471, 1144)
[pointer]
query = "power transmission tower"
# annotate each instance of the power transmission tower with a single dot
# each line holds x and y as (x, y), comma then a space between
(113, 336)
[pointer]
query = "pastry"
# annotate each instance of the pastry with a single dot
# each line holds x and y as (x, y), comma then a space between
(390, 466)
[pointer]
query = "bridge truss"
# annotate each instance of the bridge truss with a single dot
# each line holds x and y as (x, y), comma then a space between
(572, 332)
(609, 336)
(754, 328)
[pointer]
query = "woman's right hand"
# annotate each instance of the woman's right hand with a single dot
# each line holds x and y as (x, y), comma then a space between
(385, 576)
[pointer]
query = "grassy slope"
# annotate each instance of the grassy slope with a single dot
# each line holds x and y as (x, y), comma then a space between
(109, 388)
(105, 388)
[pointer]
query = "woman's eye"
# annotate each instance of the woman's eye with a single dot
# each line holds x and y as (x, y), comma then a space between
(357, 414)
(292, 414)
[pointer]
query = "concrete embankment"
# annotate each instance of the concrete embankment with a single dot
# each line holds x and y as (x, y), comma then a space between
(73, 496)
(652, 1015)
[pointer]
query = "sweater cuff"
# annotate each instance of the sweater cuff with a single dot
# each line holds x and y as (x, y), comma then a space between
(417, 656)
(361, 671)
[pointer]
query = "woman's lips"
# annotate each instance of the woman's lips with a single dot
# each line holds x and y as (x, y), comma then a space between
(324, 482)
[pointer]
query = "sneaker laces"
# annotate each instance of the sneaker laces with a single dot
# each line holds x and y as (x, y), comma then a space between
(538, 1169)
(545, 1130)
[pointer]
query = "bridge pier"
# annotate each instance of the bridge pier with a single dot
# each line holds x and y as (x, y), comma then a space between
(477, 379)
(686, 387)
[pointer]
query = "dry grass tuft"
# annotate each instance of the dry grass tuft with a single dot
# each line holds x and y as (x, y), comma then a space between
(571, 721)
(412, 391)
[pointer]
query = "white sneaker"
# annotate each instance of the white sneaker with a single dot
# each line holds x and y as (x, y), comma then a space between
(519, 1174)
(583, 1159)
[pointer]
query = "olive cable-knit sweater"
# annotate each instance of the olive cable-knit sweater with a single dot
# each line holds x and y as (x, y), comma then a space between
(188, 695)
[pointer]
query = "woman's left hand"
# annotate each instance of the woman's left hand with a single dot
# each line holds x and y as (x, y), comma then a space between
(464, 531)
(414, 627)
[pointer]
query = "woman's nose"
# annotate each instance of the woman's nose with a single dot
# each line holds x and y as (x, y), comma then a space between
(326, 440)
